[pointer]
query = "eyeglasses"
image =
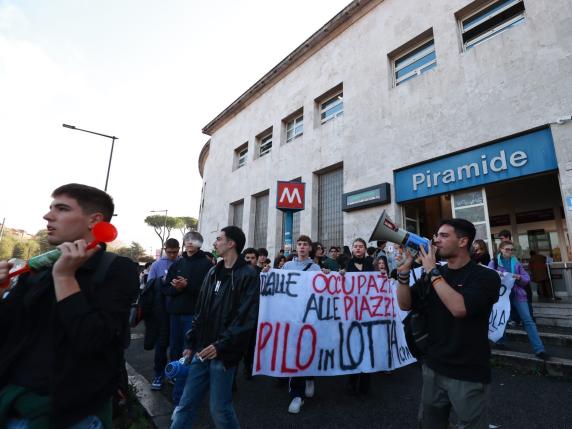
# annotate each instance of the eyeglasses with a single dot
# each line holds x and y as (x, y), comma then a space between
(508, 249)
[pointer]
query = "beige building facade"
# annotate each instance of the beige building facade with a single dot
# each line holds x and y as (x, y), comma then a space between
(456, 108)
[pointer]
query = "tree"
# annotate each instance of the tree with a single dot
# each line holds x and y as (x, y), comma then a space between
(186, 224)
(163, 226)
(41, 238)
(135, 252)
(7, 247)
(19, 251)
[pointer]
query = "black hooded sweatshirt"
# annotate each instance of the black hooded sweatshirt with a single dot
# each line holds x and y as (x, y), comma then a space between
(194, 269)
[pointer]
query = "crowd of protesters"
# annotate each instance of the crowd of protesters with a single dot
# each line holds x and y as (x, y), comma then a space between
(204, 313)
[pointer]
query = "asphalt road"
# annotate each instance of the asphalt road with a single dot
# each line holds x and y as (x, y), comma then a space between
(523, 401)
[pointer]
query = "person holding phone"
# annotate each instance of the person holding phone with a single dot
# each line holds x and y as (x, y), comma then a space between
(182, 286)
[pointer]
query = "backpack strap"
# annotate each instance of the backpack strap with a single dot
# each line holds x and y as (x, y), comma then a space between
(307, 266)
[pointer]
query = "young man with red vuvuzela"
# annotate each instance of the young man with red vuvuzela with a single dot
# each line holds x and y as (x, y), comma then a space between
(64, 327)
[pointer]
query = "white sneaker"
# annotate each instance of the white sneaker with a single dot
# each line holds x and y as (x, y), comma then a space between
(310, 388)
(295, 405)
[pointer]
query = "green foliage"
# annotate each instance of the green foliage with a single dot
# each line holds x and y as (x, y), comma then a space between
(135, 252)
(163, 225)
(7, 247)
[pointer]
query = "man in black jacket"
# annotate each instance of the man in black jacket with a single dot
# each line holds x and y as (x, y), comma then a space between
(225, 318)
(182, 286)
(63, 330)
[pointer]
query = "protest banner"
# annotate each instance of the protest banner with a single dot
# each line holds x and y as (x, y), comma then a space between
(500, 313)
(316, 324)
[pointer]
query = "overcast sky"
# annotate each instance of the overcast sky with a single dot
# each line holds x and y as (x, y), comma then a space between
(152, 73)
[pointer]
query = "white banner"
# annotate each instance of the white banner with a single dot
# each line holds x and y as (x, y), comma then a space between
(501, 310)
(315, 324)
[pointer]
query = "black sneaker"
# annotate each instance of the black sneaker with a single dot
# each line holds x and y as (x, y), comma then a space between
(543, 356)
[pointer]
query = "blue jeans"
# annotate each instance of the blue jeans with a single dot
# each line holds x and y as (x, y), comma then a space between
(90, 422)
(180, 325)
(202, 376)
(521, 308)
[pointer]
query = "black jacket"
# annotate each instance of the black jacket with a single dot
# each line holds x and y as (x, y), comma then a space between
(194, 269)
(228, 318)
(72, 350)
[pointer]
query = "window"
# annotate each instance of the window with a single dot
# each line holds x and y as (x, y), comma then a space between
(240, 155)
(416, 61)
(332, 107)
(330, 214)
(236, 213)
(295, 128)
(260, 220)
(265, 144)
(492, 18)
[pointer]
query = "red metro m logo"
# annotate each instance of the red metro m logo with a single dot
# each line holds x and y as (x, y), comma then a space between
(290, 196)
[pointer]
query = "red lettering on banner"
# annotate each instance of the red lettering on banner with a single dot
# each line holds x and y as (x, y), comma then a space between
(319, 277)
(299, 347)
(262, 341)
(361, 282)
(384, 283)
(283, 367)
(363, 307)
(371, 284)
(387, 306)
(275, 347)
(376, 303)
(346, 283)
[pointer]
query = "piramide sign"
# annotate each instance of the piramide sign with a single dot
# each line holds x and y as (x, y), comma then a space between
(290, 195)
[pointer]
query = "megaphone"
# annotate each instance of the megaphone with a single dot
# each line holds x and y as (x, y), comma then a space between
(387, 230)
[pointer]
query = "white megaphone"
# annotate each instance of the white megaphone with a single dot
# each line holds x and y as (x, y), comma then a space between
(387, 230)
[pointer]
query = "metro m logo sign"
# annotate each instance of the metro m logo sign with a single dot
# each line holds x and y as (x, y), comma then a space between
(290, 196)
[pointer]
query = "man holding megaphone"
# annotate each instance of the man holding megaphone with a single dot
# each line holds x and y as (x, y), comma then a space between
(456, 300)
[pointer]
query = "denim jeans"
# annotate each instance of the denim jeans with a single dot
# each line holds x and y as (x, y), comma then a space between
(521, 308)
(90, 422)
(180, 325)
(202, 376)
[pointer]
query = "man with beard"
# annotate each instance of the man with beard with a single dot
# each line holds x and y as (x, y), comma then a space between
(458, 299)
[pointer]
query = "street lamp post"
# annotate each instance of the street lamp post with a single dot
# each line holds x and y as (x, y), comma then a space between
(164, 226)
(113, 138)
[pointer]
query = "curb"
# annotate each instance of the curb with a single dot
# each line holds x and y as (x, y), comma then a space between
(157, 407)
(556, 367)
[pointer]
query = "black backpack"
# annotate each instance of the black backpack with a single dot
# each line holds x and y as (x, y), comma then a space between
(416, 324)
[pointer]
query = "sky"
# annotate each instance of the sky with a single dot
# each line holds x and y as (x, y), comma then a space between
(151, 73)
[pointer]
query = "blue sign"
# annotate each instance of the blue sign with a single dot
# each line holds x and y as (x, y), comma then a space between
(569, 203)
(507, 159)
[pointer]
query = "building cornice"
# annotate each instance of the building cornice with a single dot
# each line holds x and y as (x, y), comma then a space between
(345, 18)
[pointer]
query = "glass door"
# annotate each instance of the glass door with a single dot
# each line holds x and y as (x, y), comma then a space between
(472, 206)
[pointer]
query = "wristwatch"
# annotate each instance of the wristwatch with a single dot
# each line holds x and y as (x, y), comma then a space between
(435, 273)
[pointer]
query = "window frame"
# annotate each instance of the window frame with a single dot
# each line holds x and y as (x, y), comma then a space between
(336, 95)
(499, 28)
(265, 140)
(294, 127)
(415, 56)
(241, 154)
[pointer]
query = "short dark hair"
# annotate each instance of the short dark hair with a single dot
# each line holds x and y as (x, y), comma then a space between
(371, 250)
(334, 248)
(90, 199)
(171, 243)
(505, 233)
(262, 252)
(305, 239)
(463, 228)
(249, 250)
(235, 234)
(361, 240)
